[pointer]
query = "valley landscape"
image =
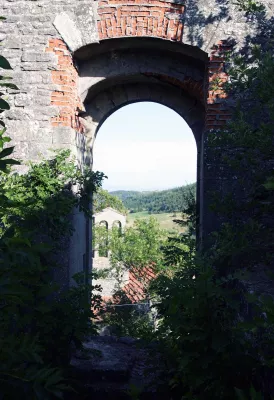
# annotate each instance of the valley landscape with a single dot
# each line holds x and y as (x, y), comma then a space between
(164, 205)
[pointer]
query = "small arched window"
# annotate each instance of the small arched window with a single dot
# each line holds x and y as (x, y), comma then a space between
(104, 223)
(117, 225)
(103, 240)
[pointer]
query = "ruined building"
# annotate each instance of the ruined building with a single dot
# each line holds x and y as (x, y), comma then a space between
(76, 62)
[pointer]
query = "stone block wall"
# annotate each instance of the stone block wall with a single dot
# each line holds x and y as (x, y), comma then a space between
(43, 114)
(40, 38)
(66, 77)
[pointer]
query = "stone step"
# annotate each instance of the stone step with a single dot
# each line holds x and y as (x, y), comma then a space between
(111, 368)
(108, 360)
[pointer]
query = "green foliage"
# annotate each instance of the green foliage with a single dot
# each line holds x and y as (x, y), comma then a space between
(138, 246)
(39, 321)
(247, 149)
(100, 240)
(172, 200)
(252, 395)
(179, 250)
(217, 325)
(103, 199)
(135, 248)
(134, 392)
(196, 331)
(38, 324)
(5, 83)
(127, 318)
(44, 207)
(249, 6)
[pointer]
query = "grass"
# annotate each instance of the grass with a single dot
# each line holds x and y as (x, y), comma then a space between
(164, 219)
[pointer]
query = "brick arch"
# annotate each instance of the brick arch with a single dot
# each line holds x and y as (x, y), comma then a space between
(67, 77)
(164, 72)
(114, 97)
(154, 18)
(123, 70)
(147, 58)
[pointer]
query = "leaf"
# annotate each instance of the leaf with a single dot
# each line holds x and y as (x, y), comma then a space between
(9, 85)
(4, 105)
(58, 394)
(4, 63)
(5, 163)
(10, 161)
(3, 131)
(54, 378)
(6, 152)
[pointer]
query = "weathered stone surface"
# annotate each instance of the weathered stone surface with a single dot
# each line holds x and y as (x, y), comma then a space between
(68, 30)
(115, 364)
(79, 28)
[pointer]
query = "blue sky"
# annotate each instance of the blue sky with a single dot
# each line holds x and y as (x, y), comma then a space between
(145, 146)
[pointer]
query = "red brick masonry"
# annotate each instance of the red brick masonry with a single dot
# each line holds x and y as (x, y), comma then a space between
(65, 76)
(146, 18)
(119, 18)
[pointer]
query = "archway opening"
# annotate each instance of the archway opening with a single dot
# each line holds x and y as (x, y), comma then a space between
(149, 155)
(145, 146)
(148, 151)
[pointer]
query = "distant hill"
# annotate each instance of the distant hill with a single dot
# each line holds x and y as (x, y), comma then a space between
(164, 201)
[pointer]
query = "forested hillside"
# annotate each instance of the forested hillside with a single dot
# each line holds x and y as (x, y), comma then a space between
(171, 200)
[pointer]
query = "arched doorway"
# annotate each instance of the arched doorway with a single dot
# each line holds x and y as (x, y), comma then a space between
(119, 72)
(123, 71)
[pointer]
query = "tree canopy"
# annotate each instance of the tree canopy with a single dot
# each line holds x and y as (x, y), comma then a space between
(103, 199)
(171, 200)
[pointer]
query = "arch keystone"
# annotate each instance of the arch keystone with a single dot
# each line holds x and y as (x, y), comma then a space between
(80, 28)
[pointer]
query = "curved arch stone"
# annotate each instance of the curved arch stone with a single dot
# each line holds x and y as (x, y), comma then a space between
(102, 105)
(78, 28)
(127, 62)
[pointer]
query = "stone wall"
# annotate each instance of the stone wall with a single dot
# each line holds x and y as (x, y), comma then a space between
(50, 43)
(44, 73)
(40, 38)
(43, 113)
